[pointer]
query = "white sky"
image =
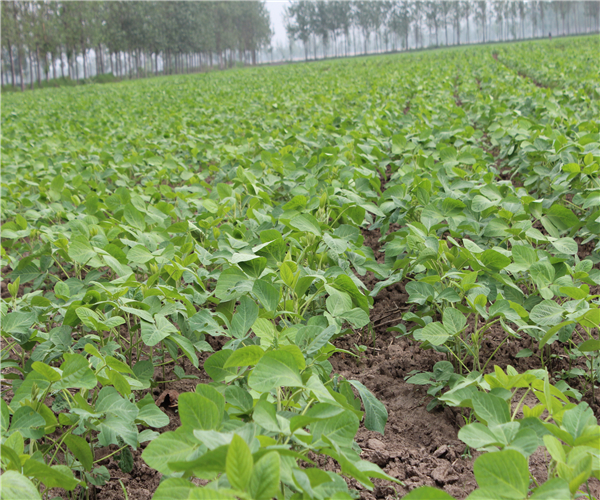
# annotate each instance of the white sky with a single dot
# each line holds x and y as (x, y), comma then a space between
(276, 8)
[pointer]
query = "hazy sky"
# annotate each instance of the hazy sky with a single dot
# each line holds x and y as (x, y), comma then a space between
(275, 8)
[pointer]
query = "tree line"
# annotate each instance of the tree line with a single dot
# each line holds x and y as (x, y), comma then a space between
(350, 27)
(43, 40)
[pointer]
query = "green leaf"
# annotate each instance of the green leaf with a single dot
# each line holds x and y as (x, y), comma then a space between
(306, 223)
(287, 270)
(152, 416)
(58, 476)
(212, 461)
(224, 190)
(418, 292)
(47, 371)
(340, 428)
(480, 203)
(337, 302)
(143, 370)
(209, 392)
(139, 255)
(239, 463)
(214, 366)
(80, 252)
(504, 471)
(115, 426)
(555, 448)
(552, 490)
(376, 414)
(115, 364)
(187, 347)
(182, 489)
(566, 245)
(76, 374)
(434, 333)
(198, 412)
(264, 482)
(490, 409)
(577, 419)
(29, 423)
(494, 260)
(561, 217)
(245, 356)
(265, 415)
(275, 369)
(81, 450)
(153, 333)
(88, 317)
(589, 345)
(4, 416)
(454, 321)
(427, 493)
(15, 486)
(267, 295)
(477, 435)
(134, 217)
(524, 256)
(574, 292)
(169, 447)
(542, 273)
(356, 317)
(244, 317)
(18, 322)
(547, 313)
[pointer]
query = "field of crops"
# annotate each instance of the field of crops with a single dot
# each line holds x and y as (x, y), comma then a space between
(353, 278)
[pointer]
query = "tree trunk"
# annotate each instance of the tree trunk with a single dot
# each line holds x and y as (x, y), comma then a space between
(468, 34)
(20, 55)
(31, 75)
(12, 64)
(39, 69)
(101, 57)
(83, 51)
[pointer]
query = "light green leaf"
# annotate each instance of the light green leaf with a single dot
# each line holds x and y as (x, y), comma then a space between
(139, 255)
(504, 471)
(58, 476)
(244, 317)
(547, 313)
(152, 416)
(15, 486)
(306, 223)
(434, 333)
(275, 369)
(245, 356)
(264, 482)
(198, 412)
(134, 217)
(267, 295)
(356, 317)
(76, 373)
(239, 463)
(566, 245)
(427, 493)
(169, 447)
(153, 333)
(490, 409)
(454, 321)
